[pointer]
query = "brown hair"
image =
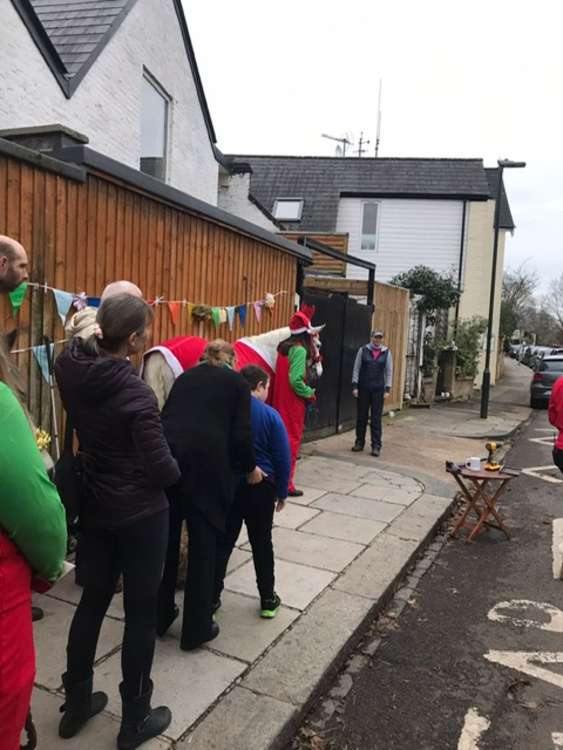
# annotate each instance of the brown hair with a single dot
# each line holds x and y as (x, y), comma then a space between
(303, 339)
(217, 353)
(255, 376)
(118, 317)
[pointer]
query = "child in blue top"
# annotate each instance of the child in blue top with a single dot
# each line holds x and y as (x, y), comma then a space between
(255, 504)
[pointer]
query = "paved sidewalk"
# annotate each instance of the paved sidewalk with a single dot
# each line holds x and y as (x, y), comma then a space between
(339, 549)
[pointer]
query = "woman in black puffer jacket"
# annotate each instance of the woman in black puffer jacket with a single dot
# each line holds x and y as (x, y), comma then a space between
(124, 514)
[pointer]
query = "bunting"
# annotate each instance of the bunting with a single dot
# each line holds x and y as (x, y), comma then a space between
(258, 310)
(43, 356)
(17, 296)
(231, 317)
(63, 300)
(174, 310)
(241, 310)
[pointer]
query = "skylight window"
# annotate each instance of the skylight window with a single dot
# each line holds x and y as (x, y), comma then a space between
(288, 209)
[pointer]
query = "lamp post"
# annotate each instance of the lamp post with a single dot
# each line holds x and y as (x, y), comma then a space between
(486, 383)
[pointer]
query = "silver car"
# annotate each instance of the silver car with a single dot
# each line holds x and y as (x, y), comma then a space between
(545, 375)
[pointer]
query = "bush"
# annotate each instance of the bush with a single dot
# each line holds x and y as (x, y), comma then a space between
(436, 291)
(468, 344)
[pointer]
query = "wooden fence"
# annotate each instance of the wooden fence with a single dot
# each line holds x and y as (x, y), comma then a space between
(81, 234)
(323, 264)
(391, 315)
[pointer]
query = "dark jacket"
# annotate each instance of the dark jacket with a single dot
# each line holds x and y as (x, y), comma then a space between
(373, 374)
(207, 424)
(127, 461)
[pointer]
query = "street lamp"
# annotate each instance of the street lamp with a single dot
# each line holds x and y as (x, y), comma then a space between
(486, 383)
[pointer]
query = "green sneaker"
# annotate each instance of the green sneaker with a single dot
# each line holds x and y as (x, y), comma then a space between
(269, 607)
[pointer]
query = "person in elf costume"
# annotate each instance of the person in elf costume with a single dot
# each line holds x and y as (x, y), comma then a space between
(292, 393)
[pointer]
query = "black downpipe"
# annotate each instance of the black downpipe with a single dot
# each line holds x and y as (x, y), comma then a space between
(460, 272)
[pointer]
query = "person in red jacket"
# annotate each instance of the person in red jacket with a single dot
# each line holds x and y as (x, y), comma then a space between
(555, 414)
(291, 391)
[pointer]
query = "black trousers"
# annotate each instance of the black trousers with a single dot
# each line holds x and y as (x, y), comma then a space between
(369, 401)
(558, 459)
(138, 551)
(255, 505)
(200, 578)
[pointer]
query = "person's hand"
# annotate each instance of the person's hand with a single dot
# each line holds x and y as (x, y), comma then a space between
(313, 398)
(280, 505)
(386, 395)
(255, 476)
(355, 392)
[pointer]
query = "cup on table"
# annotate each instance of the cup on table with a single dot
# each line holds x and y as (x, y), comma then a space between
(473, 463)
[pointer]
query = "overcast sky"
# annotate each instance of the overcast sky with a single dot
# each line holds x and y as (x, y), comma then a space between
(480, 79)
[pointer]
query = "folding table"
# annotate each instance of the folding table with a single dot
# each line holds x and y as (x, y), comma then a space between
(482, 490)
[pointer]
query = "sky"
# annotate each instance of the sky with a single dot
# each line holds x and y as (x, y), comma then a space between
(480, 79)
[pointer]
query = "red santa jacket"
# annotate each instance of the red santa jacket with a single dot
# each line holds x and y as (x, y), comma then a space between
(555, 411)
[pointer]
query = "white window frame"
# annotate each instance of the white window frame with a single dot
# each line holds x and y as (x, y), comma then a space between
(152, 81)
(280, 201)
(378, 219)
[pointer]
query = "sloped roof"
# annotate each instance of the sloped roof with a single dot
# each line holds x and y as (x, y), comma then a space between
(71, 34)
(505, 219)
(321, 181)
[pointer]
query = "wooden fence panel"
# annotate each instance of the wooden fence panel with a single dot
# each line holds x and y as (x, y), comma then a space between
(391, 315)
(81, 236)
(323, 264)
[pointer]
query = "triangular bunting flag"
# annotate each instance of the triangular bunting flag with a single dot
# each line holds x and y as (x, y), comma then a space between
(231, 317)
(241, 309)
(190, 307)
(63, 300)
(17, 296)
(216, 316)
(174, 310)
(258, 310)
(222, 315)
(42, 357)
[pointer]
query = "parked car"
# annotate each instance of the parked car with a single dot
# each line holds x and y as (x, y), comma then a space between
(545, 375)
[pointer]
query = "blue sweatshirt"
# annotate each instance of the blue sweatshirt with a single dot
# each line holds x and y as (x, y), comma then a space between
(271, 445)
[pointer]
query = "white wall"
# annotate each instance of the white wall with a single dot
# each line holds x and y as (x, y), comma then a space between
(410, 233)
(233, 197)
(106, 106)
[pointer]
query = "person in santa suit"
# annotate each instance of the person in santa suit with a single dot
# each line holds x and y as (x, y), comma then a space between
(291, 390)
(555, 414)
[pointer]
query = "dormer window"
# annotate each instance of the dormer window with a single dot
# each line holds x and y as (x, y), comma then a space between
(154, 128)
(288, 209)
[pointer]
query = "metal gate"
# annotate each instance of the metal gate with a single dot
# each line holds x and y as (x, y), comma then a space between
(347, 328)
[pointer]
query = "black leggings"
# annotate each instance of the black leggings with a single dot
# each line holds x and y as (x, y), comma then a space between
(558, 458)
(137, 551)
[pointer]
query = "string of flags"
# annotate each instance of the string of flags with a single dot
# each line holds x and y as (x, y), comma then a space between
(217, 315)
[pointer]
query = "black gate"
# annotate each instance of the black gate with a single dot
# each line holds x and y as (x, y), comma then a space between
(347, 328)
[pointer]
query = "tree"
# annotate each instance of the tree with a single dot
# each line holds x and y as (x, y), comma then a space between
(518, 287)
(436, 291)
(553, 302)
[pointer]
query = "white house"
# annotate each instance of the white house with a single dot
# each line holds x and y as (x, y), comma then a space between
(396, 213)
(122, 73)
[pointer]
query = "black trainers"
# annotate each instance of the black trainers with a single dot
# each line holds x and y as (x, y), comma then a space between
(295, 493)
(269, 607)
(214, 631)
(376, 452)
(357, 448)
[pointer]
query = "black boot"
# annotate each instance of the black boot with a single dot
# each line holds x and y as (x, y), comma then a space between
(139, 721)
(79, 706)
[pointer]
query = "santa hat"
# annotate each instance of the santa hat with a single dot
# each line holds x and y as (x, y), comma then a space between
(301, 323)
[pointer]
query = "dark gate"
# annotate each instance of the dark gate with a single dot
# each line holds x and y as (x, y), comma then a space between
(347, 328)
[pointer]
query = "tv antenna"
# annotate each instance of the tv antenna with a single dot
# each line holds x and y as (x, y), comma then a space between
(361, 143)
(344, 141)
(378, 134)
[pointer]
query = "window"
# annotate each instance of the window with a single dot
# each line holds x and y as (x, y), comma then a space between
(551, 365)
(154, 128)
(369, 225)
(288, 209)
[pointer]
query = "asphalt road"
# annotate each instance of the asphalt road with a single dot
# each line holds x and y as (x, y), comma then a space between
(429, 684)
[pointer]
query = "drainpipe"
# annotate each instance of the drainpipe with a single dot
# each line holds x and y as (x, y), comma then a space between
(461, 259)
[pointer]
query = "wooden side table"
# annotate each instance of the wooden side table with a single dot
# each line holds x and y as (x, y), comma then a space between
(482, 490)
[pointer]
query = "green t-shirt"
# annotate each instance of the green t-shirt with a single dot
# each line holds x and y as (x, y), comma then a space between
(297, 371)
(31, 512)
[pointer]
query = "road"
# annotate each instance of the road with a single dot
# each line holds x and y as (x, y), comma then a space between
(454, 670)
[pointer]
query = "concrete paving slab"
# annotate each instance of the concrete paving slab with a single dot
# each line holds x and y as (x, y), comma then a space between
(68, 591)
(386, 494)
(428, 503)
(359, 507)
(293, 516)
(296, 584)
(381, 477)
(378, 567)
(237, 559)
(330, 465)
(242, 537)
(413, 524)
(241, 721)
(51, 633)
(99, 734)
(311, 549)
(328, 483)
(339, 526)
(295, 666)
(244, 634)
(310, 494)
(187, 682)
